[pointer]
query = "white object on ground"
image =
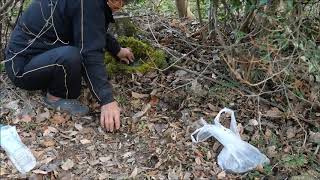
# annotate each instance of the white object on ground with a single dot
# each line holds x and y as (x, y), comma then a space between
(237, 156)
(19, 154)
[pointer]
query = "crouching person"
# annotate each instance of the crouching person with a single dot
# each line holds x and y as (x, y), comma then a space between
(56, 43)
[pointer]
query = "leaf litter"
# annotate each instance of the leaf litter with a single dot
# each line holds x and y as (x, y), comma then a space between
(158, 115)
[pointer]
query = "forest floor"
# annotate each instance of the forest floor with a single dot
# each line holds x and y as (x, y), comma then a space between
(160, 110)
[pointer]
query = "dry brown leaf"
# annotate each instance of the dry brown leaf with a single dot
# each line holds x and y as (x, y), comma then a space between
(209, 155)
(105, 159)
(260, 168)
(47, 160)
(134, 173)
(222, 175)
(172, 174)
(141, 113)
(48, 143)
(43, 116)
(50, 131)
(271, 151)
(3, 171)
(314, 137)
(268, 133)
(139, 96)
(212, 107)
(198, 160)
(68, 164)
(287, 149)
(13, 105)
(291, 132)
(128, 154)
(187, 175)
(253, 122)
(103, 176)
(273, 113)
(78, 127)
(66, 176)
(26, 118)
(85, 141)
(58, 119)
(38, 171)
(154, 100)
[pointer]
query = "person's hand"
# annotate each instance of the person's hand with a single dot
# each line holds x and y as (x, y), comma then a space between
(126, 55)
(110, 116)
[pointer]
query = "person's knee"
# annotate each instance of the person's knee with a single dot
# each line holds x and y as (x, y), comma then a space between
(70, 55)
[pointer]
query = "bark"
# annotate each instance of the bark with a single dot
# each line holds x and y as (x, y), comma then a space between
(213, 8)
(183, 9)
(199, 11)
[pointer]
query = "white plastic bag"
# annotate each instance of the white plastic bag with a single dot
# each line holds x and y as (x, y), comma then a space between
(237, 156)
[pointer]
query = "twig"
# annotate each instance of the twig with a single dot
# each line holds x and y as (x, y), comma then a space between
(14, 92)
(296, 119)
(198, 76)
(6, 5)
(317, 150)
(224, 85)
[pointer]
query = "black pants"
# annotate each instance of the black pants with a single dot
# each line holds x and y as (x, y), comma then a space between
(57, 70)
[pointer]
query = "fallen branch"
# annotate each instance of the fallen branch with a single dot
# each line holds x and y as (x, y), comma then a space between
(223, 84)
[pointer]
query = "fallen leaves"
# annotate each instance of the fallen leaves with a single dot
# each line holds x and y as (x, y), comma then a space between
(3, 171)
(314, 137)
(222, 175)
(274, 113)
(271, 151)
(139, 96)
(38, 171)
(58, 119)
(165, 144)
(43, 116)
(13, 105)
(67, 165)
(142, 112)
(85, 141)
(253, 122)
(78, 127)
(50, 131)
(48, 142)
(198, 160)
(128, 154)
(105, 159)
(23, 118)
(134, 173)
(291, 133)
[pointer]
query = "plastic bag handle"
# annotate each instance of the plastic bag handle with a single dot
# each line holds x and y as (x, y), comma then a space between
(233, 123)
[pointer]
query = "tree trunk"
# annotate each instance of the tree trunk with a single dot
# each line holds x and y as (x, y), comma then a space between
(1, 35)
(199, 12)
(183, 9)
(213, 8)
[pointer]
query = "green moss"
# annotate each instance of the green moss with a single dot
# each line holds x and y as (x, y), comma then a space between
(146, 58)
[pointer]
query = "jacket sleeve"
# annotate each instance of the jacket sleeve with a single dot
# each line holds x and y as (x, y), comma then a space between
(112, 45)
(89, 33)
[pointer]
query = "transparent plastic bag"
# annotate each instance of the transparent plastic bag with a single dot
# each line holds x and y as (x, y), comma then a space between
(237, 156)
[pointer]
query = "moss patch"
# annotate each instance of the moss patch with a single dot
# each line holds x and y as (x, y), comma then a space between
(146, 58)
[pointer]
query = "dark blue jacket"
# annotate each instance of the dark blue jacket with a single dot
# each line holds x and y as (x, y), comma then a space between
(36, 32)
